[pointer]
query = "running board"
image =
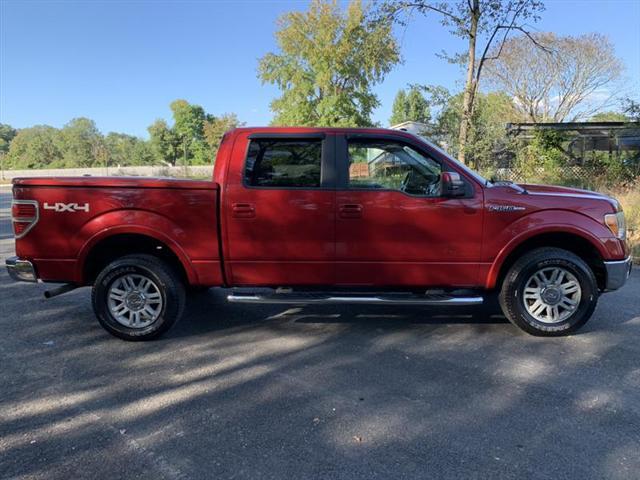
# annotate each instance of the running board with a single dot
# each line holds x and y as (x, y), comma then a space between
(389, 299)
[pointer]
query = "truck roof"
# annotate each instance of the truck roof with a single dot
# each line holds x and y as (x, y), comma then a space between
(280, 130)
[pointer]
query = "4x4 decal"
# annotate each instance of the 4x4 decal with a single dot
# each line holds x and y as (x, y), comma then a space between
(66, 207)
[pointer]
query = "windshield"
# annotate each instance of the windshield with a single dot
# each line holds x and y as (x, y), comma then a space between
(462, 166)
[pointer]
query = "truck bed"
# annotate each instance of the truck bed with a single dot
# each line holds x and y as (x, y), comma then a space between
(76, 213)
(123, 182)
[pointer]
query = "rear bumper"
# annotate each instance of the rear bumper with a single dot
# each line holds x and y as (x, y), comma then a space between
(21, 270)
(617, 273)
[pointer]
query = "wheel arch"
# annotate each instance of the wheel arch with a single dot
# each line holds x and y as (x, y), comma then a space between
(576, 241)
(109, 245)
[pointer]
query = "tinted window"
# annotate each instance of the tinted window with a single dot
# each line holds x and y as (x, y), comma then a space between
(393, 166)
(283, 163)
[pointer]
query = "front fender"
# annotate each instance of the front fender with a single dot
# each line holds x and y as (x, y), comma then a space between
(545, 222)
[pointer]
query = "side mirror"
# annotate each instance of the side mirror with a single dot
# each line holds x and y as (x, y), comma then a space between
(452, 185)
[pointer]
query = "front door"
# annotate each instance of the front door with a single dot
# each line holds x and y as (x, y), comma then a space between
(279, 209)
(394, 228)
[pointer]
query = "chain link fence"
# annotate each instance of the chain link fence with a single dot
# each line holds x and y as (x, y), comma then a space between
(569, 175)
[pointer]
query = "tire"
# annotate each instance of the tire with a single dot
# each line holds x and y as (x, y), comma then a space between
(529, 304)
(148, 291)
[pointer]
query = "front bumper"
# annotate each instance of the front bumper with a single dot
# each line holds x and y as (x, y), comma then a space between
(617, 273)
(21, 270)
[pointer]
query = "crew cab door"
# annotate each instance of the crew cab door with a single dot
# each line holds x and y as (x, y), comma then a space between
(279, 210)
(394, 226)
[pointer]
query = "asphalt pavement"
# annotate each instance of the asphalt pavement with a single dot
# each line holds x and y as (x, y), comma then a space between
(252, 392)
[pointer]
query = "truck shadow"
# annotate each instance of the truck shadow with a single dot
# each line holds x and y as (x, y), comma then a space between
(209, 311)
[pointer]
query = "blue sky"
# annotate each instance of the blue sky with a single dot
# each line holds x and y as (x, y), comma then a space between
(122, 62)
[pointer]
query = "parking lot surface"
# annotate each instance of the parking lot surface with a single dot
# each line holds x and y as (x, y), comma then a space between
(249, 392)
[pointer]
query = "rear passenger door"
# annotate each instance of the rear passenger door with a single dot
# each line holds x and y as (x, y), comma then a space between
(279, 207)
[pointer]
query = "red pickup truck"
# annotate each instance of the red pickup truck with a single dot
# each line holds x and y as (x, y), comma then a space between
(303, 215)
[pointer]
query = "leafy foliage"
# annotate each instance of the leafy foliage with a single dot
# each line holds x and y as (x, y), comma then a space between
(188, 126)
(81, 144)
(629, 198)
(481, 24)
(609, 116)
(487, 140)
(410, 106)
(327, 64)
(215, 128)
(128, 150)
(541, 160)
(7, 133)
(547, 159)
(194, 135)
(35, 147)
(165, 143)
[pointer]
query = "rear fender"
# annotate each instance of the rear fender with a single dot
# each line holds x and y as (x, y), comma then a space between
(133, 222)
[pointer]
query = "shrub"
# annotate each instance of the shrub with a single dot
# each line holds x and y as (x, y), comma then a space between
(630, 200)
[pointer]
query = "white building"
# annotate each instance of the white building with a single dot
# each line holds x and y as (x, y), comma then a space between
(416, 128)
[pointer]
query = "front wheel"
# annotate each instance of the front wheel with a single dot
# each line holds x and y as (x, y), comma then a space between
(138, 297)
(549, 292)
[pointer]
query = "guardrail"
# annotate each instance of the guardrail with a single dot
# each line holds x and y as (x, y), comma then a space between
(148, 171)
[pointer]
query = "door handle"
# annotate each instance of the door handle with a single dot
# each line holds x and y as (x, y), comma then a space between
(351, 210)
(243, 210)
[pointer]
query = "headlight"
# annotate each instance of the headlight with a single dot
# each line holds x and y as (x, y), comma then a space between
(617, 225)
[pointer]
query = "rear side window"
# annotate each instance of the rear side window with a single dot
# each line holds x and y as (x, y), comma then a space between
(283, 163)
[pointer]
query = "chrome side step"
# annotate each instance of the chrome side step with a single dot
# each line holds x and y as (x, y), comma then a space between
(390, 299)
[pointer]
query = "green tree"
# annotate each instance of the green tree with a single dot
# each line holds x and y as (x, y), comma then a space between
(609, 117)
(188, 125)
(411, 106)
(328, 62)
(123, 149)
(81, 143)
(165, 144)
(35, 147)
(399, 108)
(142, 153)
(119, 147)
(215, 128)
(7, 133)
(545, 158)
(194, 136)
(487, 133)
(482, 24)
(541, 160)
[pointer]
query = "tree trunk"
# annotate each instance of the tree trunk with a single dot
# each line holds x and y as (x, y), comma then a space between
(185, 158)
(469, 87)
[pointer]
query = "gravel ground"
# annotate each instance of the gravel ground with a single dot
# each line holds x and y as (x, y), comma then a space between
(237, 391)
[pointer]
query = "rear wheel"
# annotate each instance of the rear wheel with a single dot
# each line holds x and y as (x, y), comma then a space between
(138, 297)
(549, 292)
